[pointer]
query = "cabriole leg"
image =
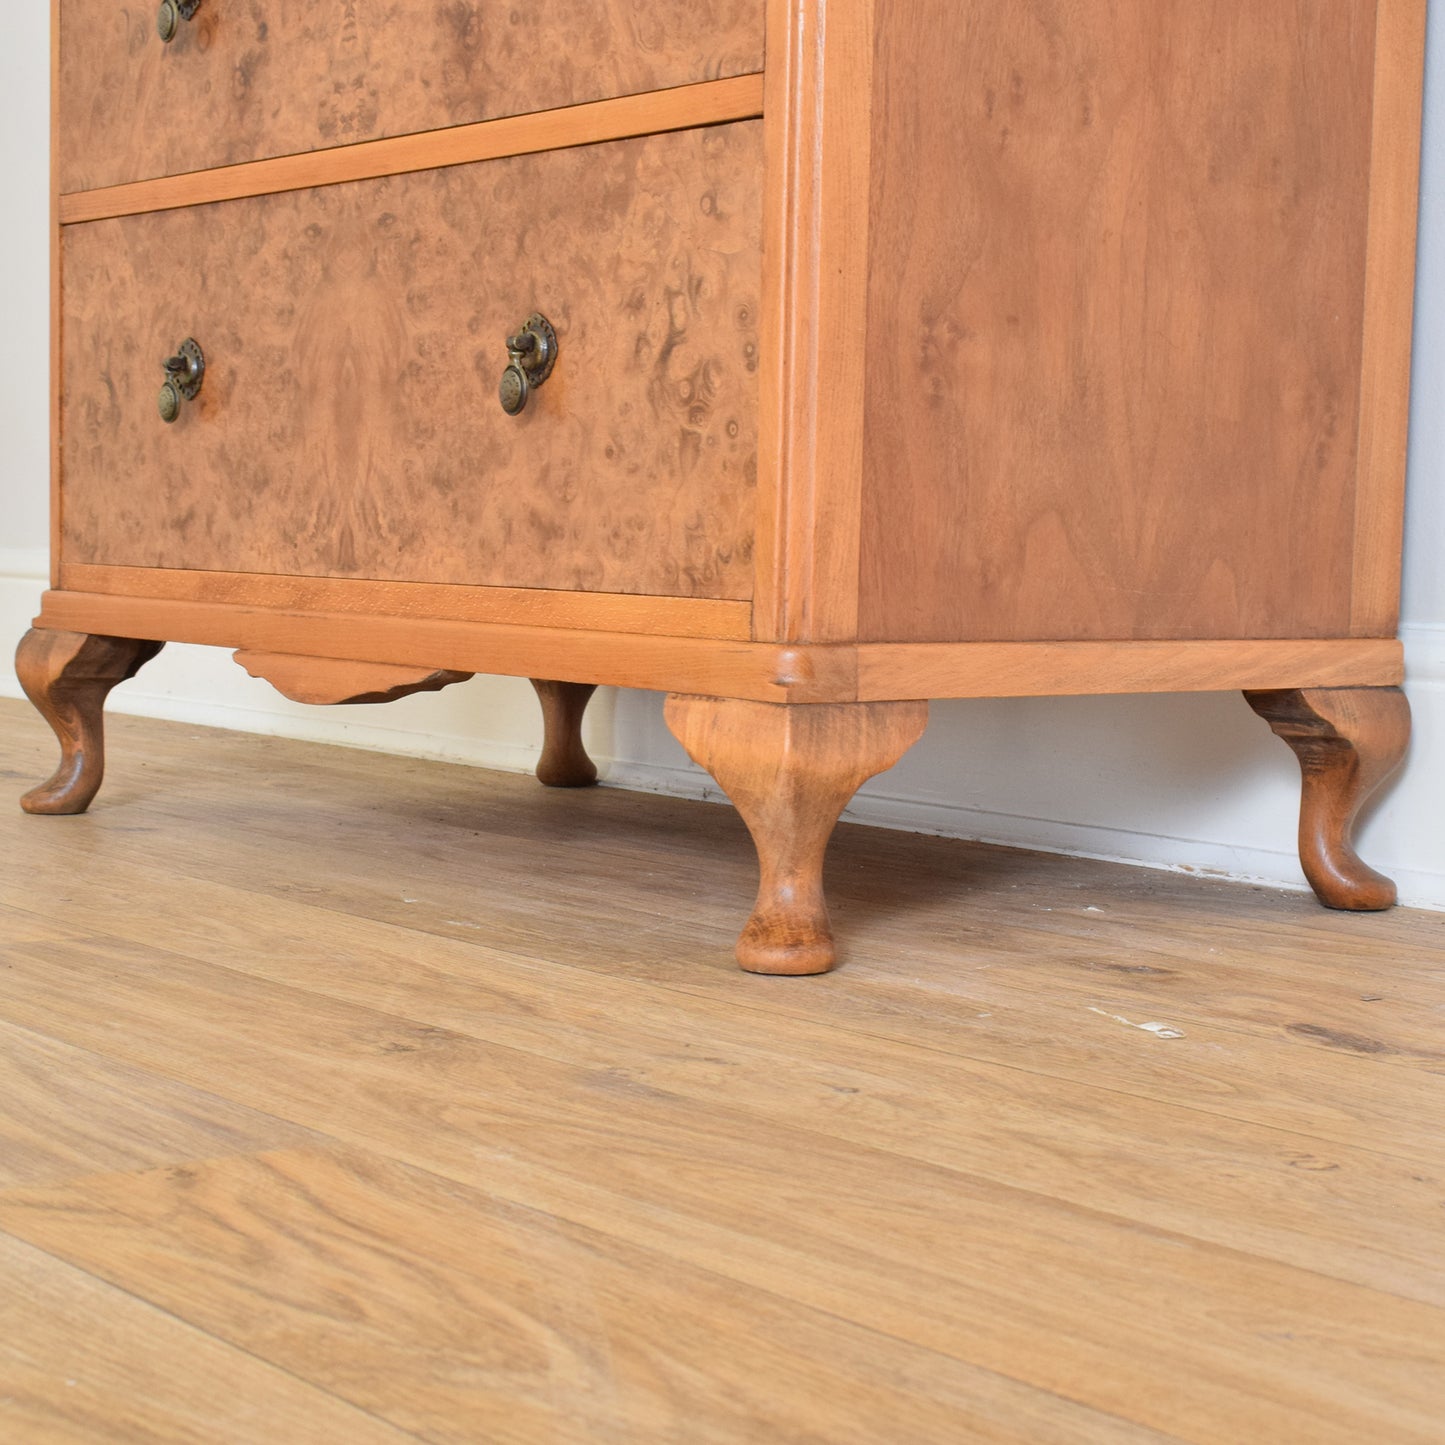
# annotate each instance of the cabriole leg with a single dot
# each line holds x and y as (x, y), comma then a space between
(564, 762)
(790, 771)
(67, 675)
(1349, 740)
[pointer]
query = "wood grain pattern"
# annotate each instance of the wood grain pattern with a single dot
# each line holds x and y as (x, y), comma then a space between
(517, 606)
(1257, 1202)
(349, 424)
(69, 1113)
(790, 772)
(82, 1363)
(814, 364)
(993, 953)
(328, 681)
(1389, 316)
(712, 102)
(564, 762)
(1038, 947)
(68, 676)
(247, 78)
(1219, 960)
(766, 671)
(462, 1318)
(1053, 669)
(1349, 742)
(1115, 312)
(934, 1258)
(56, 255)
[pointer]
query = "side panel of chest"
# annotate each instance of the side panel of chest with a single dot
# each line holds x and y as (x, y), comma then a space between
(348, 423)
(249, 78)
(1116, 314)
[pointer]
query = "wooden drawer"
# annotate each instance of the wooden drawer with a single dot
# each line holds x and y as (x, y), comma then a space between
(349, 424)
(251, 78)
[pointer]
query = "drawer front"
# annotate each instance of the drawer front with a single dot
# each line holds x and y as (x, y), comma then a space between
(244, 79)
(348, 423)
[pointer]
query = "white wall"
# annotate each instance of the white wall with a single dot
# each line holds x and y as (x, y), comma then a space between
(1180, 781)
(24, 284)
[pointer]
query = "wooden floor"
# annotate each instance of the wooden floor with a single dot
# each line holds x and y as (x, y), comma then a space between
(352, 1098)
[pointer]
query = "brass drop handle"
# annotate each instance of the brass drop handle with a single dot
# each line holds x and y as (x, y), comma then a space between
(170, 15)
(184, 372)
(533, 353)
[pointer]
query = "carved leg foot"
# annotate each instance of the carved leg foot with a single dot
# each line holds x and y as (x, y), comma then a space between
(67, 675)
(790, 771)
(1348, 740)
(564, 762)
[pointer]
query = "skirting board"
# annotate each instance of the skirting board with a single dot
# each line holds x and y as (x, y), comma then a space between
(1187, 783)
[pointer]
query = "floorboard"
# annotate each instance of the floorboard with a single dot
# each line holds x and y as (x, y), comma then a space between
(82, 1361)
(464, 1318)
(439, 1093)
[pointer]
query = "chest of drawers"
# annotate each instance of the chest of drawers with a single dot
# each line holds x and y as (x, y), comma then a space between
(805, 360)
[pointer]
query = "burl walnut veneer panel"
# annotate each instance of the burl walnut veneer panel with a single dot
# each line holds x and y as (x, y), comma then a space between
(1115, 316)
(354, 336)
(250, 78)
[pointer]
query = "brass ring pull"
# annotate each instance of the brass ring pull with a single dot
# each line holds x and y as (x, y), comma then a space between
(170, 15)
(184, 373)
(533, 353)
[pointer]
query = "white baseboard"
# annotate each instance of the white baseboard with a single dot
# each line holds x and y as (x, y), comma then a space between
(1236, 862)
(1191, 784)
(1253, 837)
(24, 575)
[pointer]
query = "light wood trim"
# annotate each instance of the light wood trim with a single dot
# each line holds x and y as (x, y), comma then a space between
(332, 681)
(517, 606)
(1389, 316)
(55, 294)
(814, 312)
(711, 102)
(766, 672)
(785, 202)
(1044, 669)
(761, 671)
